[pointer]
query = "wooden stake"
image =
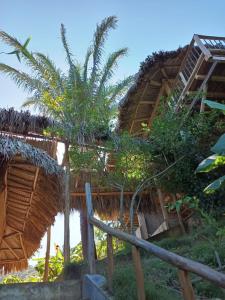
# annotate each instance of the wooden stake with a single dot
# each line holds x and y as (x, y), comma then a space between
(47, 256)
(179, 216)
(110, 260)
(164, 211)
(91, 244)
(186, 285)
(67, 208)
(138, 273)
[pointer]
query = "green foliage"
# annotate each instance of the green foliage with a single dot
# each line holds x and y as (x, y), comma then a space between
(55, 265)
(82, 100)
(216, 160)
(101, 243)
(17, 279)
(174, 136)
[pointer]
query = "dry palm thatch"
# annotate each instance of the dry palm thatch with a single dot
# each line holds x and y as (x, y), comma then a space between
(23, 122)
(30, 198)
(154, 80)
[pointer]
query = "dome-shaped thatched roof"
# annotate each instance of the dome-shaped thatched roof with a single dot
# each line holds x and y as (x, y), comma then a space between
(30, 198)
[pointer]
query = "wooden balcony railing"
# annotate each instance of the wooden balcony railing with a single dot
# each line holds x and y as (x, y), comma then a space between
(201, 49)
(184, 265)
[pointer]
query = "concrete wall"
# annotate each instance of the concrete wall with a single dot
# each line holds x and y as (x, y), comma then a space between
(65, 290)
(93, 288)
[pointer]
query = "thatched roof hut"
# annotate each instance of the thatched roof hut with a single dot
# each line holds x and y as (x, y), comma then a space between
(30, 198)
(154, 80)
(23, 123)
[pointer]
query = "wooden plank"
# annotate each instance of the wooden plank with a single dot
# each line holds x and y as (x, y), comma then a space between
(204, 83)
(148, 102)
(31, 196)
(156, 105)
(213, 78)
(91, 244)
(186, 285)
(47, 255)
(67, 217)
(165, 255)
(138, 273)
(202, 46)
(110, 263)
(10, 249)
(164, 211)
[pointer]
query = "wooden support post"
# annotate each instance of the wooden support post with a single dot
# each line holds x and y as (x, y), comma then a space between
(202, 108)
(179, 216)
(47, 256)
(67, 218)
(138, 273)
(110, 260)
(91, 244)
(186, 285)
(164, 211)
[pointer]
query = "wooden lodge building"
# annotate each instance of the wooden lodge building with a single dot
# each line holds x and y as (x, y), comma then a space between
(31, 192)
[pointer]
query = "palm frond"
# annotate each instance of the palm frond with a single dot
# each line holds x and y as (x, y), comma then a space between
(66, 46)
(23, 51)
(110, 65)
(100, 36)
(85, 67)
(36, 103)
(53, 75)
(121, 87)
(10, 41)
(22, 79)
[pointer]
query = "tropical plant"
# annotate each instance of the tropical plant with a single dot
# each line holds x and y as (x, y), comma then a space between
(216, 160)
(83, 101)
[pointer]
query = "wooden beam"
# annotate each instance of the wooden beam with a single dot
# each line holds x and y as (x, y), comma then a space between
(165, 255)
(186, 285)
(138, 273)
(140, 119)
(31, 196)
(156, 105)
(164, 211)
(110, 262)
(147, 102)
(111, 193)
(10, 249)
(91, 244)
(137, 107)
(47, 255)
(155, 83)
(163, 71)
(213, 78)
(216, 95)
(66, 164)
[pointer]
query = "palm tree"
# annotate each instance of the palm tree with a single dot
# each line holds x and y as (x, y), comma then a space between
(83, 100)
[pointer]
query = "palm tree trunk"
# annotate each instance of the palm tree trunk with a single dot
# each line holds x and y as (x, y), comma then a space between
(47, 256)
(84, 233)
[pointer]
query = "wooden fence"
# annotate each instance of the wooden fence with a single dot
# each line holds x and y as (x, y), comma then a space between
(184, 265)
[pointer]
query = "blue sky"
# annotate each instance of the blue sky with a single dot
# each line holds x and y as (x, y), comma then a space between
(144, 26)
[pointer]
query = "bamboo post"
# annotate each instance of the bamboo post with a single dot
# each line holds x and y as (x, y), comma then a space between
(91, 244)
(138, 273)
(164, 211)
(110, 260)
(186, 285)
(46, 271)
